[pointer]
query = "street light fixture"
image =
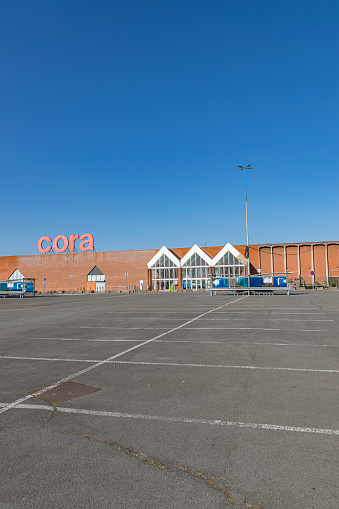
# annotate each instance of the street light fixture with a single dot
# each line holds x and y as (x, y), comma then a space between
(248, 167)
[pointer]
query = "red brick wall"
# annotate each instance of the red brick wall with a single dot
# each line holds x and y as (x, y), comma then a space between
(306, 263)
(57, 267)
(319, 263)
(278, 259)
(333, 260)
(292, 262)
(265, 260)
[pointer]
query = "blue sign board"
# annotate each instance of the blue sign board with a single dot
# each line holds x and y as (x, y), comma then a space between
(220, 282)
(280, 281)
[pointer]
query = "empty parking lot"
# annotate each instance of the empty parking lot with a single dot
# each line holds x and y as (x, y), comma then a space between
(204, 402)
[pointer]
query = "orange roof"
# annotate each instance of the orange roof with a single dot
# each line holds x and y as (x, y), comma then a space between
(180, 251)
(211, 251)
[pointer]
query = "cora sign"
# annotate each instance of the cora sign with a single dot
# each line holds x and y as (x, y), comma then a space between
(45, 243)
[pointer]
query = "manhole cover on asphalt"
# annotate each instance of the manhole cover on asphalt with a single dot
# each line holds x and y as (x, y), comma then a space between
(65, 392)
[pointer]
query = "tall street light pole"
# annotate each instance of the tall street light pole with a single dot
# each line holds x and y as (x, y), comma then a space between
(248, 167)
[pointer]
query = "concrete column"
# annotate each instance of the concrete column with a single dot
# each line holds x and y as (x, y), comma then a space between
(312, 261)
(179, 278)
(285, 260)
(298, 247)
(326, 263)
(271, 259)
(212, 274)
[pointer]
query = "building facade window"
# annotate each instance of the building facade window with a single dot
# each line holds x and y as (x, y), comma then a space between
(195, 269)
(228, 266)
(164, 274)
(196, 273)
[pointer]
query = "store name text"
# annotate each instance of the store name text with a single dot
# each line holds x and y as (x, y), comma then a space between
(86, 244)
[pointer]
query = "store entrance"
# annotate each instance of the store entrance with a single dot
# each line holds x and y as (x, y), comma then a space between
(196, 283)
(99, 286)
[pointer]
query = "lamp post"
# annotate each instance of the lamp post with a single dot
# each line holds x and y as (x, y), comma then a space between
(248, 167)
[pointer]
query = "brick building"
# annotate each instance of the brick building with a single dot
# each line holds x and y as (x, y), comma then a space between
(173, 268)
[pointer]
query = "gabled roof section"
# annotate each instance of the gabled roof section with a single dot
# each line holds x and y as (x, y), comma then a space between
(16, 275)
(180, 251)
(200, 252)
(233, 251)
(164, 251)
(95, 272)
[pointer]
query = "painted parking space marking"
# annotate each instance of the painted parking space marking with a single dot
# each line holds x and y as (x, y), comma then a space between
(254, 328)
(212, 319)
(97, 364)
(149, 363)
(184, 420)
(207, 342)
(269, 312)
(112, 340)
(276, 319)
(53, 359)
(218, 366)
(94, 340)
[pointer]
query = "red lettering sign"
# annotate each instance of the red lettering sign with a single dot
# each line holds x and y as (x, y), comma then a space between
(90, 242)
(46, 249)
(87, 243)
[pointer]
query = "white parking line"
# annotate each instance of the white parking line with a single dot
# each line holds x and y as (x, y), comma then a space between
(269, 312)
(94, 340)
(212, 319)
(309, 308)
(302, 319)
(184, 420)
(250, 343)
(97, 364)
(189, 341)
(201, 328)
(126, 328)
(263, 368)
(262, 319)
(253, 328)
(148, 363)
(54, 359)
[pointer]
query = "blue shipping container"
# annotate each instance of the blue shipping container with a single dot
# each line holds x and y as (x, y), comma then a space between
(255, 281)
(243, 281)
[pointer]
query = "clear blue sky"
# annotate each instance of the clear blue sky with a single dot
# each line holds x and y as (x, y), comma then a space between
(127, 120)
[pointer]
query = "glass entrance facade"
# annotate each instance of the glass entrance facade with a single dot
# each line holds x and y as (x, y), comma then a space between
(196, 274)
(228, 266)
(194, 271)
(164, 274)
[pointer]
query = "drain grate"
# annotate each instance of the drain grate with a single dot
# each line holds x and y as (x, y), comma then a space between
(65, 392)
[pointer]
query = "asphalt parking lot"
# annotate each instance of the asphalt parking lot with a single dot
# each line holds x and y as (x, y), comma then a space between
(205, 402)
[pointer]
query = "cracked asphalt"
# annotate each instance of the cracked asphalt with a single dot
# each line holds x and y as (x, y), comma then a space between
(207, 402)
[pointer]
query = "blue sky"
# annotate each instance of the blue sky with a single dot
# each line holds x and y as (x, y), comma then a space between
(128, 119)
